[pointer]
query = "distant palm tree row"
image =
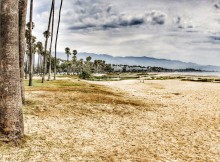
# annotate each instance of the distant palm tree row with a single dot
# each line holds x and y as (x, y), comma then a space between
(17, 49)
(75, 66)
(45, 58)
(46, 63)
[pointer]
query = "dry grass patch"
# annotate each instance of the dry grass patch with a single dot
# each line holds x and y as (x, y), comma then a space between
(72, 120)
(61, 98)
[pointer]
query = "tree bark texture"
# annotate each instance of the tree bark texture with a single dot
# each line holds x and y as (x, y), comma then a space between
(51, 40)
(11, 116)
(46, 42)
(58, 27)
(22, 43)
(30, 44)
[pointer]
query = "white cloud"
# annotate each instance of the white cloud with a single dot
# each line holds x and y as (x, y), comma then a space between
(182, 30)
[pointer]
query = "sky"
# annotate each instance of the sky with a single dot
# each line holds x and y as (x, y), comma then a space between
(186, 30)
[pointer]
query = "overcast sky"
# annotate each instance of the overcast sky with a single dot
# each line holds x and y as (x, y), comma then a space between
(186, 30)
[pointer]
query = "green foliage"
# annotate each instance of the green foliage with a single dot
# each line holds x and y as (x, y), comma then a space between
(75, 52)
(46, 34)
(108, 68)
(88, 59)
(85, 75)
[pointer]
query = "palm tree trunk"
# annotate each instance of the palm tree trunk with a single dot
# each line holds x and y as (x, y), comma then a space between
(22, 43)
(51, 41)
(58, 27)
(30, 44)
(46, 42)
(26, 66)
(67, 60)
(38, 64)
(33, 63)
(11, 116)
(42, 62)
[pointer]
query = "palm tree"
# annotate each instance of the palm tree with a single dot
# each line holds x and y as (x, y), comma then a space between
(51, 41)
(40, 53)
(75, 63)
(74, 55)
(58, 26)
(29, 39)
(11, 116)
(22, 25)
(30, 46)
(88, 63)
(67, 52)
(46, 34)
(81, 65)
(96, 63)
(88, 59)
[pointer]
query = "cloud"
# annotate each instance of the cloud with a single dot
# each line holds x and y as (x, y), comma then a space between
(156, 17)
(217, 5)
(215, 38)
(185, 30)
(184, 24)
(120, 21)
(103, 16)
(117, 22)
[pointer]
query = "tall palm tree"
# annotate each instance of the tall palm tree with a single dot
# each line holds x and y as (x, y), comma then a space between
(11, 116)
(30, 46)
(34, 50)
(51, 41)
(58, 27)
(29, 37)
(88, 63)
(81, 65)
(88, 59)
(22, 25)
(40, 53)
(68, 53)
(47, 34)
(74, 55)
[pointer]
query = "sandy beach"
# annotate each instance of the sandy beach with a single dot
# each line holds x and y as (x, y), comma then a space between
(186, 124)
(163, 120)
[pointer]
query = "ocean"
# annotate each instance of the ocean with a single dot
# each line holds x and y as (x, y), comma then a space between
(199, 73)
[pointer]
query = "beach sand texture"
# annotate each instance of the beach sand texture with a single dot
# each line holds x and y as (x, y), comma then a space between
(186, 124)
(163, 120)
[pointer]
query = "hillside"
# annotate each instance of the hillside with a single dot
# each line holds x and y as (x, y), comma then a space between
(145, 61)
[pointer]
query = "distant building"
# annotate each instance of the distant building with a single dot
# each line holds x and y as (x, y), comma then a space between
(136, 68)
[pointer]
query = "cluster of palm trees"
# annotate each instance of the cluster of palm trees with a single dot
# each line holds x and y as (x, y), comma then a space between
(13, 32)
(44, 55)
(12, 52)
(76, 66)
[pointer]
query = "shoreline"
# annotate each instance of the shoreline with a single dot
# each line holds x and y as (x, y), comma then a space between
(195, 74)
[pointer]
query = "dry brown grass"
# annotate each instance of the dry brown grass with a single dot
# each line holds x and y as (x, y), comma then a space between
(69, 120)
(72, 120)
(77, 97)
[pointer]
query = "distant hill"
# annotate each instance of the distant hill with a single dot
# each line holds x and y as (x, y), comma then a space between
(144, 61)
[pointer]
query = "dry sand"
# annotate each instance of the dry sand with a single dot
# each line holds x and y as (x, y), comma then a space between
(185, 127)
(179, 122)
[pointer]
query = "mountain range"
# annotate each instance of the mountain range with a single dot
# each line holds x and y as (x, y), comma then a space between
(144, 61)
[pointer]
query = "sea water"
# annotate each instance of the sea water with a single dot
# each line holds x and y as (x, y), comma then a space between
(199, 73)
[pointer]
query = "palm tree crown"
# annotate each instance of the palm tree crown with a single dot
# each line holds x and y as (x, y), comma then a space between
(68, 53)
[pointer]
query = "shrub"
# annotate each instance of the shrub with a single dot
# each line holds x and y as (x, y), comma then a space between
(85, 75)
